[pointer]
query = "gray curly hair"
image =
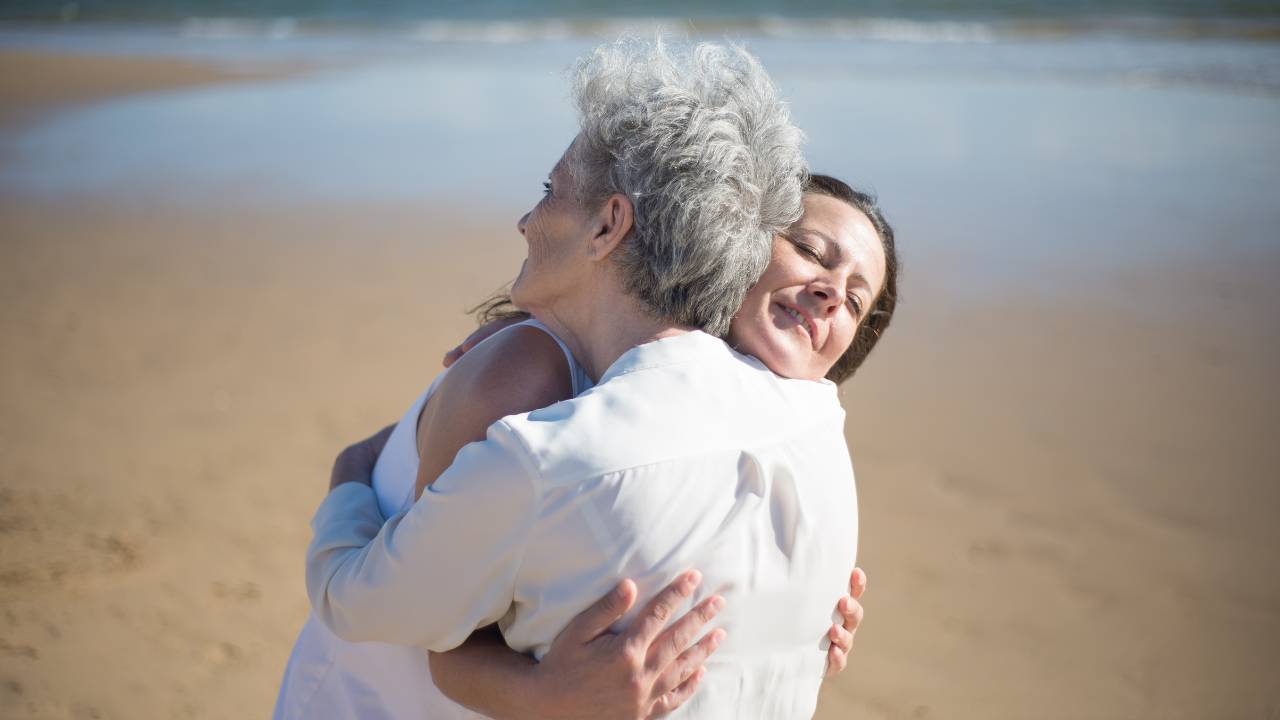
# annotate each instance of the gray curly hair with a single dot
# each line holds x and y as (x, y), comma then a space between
(699, 141)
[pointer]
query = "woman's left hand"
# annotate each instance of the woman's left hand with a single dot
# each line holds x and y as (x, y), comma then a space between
(355, 463)
(850, 609)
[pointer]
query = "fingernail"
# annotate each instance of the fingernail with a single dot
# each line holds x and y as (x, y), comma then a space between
(717, 603)
(620, 590)
(692, 579)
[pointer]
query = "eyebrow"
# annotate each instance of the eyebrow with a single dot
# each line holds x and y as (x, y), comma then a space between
(834, 248)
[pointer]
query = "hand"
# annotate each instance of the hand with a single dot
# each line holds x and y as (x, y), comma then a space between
(841, 636)
(643, 672)
(479, 336)
(355, 463)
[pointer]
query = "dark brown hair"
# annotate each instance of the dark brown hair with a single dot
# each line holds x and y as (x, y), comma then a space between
(873, 325)
(496, 308)
(877, 319)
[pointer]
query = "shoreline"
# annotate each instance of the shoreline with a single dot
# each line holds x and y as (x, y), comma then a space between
(34, 83)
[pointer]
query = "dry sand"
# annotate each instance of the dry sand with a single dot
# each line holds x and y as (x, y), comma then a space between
(1062, 517)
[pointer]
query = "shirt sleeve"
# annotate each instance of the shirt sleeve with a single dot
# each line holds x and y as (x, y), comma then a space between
(434, 573)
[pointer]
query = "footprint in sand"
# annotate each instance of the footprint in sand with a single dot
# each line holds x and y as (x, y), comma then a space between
(8, 649)
(237, 591)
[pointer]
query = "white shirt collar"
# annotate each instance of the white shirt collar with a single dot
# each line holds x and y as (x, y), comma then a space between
(686, 347)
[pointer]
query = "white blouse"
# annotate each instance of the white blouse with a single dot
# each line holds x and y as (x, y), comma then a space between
(685, 455)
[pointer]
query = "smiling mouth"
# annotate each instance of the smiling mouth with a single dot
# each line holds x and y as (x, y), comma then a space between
(800, 319)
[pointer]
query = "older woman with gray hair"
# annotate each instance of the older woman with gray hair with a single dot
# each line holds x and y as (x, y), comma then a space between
(656, 221)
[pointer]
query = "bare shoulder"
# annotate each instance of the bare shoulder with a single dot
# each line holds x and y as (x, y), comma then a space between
(518, 370)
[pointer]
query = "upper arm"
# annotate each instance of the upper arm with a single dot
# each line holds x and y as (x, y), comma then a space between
(520, 370)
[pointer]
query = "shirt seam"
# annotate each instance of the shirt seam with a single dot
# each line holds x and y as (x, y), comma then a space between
(525, 457)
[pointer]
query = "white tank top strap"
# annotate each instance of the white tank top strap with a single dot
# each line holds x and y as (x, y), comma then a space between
(402, 446)
(579, 378)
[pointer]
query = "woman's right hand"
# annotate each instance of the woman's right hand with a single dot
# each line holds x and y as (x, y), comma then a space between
(479, 336)
(644, 672)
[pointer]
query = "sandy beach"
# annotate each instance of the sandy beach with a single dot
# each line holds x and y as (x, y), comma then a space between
(1068, 489)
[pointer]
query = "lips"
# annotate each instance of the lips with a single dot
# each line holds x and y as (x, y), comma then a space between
(803, 320)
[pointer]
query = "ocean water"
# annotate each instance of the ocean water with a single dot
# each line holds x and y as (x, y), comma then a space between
(995, 157)
(508, 20)
(398, 10)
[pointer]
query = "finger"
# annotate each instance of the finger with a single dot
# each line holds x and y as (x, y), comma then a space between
(689, 662)
(354, 464)
(378, 441)
(481, 334)
(477, 336)
(857, 583)
(593, 621)
(667, 704)
(840, 638)
(836, 661)
(851, 612)
(661, 609)
(676, 639)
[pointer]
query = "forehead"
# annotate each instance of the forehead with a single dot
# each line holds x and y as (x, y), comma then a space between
(850, 230)
(561, 168)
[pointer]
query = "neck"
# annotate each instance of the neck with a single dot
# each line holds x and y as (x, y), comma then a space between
(600, 329)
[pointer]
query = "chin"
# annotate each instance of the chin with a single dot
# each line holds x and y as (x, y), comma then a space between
(518, 288)
(778, 361)
(520, 297)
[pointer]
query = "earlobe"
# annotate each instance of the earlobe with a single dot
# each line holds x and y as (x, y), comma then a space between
(616, 218)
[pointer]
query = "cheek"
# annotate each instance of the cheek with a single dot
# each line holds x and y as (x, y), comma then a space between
(752, 301)
(841, 338)
(535, 235)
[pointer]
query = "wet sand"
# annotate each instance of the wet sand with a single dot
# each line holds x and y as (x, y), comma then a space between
(1068, 502)
(34, 82)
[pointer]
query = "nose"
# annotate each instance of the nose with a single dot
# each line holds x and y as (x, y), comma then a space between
(524, 219)
(827, 300)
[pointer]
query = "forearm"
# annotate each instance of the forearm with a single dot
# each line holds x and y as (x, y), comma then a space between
(393, 582)
(344, 594)
(488, 677)
(374, 581)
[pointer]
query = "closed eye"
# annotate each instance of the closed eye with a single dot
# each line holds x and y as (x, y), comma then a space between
(546, 187)
(807, 250)
(857, 306)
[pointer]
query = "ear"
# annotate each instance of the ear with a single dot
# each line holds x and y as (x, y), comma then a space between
(612, 224)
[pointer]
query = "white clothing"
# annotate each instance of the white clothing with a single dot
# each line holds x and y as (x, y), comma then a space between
(328, 677)
(685, 455)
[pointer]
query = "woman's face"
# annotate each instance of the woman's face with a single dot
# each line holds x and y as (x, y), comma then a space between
(822, 279)
(556, 230)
